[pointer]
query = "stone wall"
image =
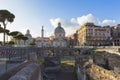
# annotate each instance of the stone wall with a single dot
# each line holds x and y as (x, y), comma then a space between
(80, 63)
(30, 72)
(88, 70)
(107, 60)
(95, 72)
(114, 62)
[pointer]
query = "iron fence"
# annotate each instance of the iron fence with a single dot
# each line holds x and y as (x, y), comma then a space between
(11, 57)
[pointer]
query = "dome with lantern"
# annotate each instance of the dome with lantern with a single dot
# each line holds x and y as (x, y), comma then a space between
(59, 29)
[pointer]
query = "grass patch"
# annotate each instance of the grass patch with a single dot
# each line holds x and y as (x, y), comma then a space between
(66, 67)
(41, 60)
(69, 60)
(99, 50)
(67, 63)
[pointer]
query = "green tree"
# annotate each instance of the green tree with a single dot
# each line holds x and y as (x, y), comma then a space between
(18, 37)
(0, 42)
(1, 29)
(5, 17)
(6, 31)
(24, 38)
(11, 43)
(32, 43)
(14, 33)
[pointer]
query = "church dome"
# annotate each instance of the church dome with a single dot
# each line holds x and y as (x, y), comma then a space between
(28, 34)
(59, 29)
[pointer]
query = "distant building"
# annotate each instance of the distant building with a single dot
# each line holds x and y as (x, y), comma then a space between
(30, 39)
(115, 33)
(42, 41)
(52, 37)
(59, 38)
(73, 39)
(92, 35)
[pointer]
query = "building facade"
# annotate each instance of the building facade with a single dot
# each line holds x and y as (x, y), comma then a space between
(115, 33)
(42, 42)
(92, 35)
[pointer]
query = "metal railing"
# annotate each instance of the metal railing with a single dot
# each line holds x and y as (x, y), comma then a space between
(11, 57)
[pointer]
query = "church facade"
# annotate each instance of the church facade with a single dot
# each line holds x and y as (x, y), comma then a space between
(59, 37)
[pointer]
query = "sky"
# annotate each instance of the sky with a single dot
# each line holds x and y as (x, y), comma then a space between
(33, 14)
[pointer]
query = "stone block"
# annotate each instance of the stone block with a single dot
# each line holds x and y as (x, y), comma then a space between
(30, 72)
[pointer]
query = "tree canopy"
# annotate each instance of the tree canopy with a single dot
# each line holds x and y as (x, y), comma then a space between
(14, 33)
(5, 17)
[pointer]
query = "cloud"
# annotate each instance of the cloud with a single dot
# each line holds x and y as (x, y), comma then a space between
(73, 21)
(73, 24)
(108, 22)
(87, 18)
(69, 26)
(54, 22)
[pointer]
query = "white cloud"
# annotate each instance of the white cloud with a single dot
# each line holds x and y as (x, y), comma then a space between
(87, 18)
(73, 20)
(54, 22)
(69, 26)
(73, 24)
(108, 22)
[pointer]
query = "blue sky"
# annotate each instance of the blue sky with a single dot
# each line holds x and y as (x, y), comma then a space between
(32, 14)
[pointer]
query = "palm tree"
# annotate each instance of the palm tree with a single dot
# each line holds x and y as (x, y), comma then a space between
(5, 17)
